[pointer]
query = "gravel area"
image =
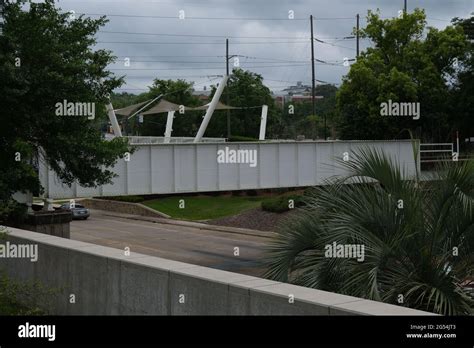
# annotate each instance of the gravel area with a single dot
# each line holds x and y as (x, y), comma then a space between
(255, 219)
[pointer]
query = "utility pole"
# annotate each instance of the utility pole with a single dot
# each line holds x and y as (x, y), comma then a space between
(313, 89)
(227, 94)
(357, 35)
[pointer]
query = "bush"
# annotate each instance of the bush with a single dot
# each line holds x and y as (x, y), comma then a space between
(280, 190)
(129, 199)
(309, 191)
(22, 299)
(213, 193)
(12, 212)
(282, 204)
(238, 138)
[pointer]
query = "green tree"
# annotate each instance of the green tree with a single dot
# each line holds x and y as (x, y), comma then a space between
(418, 241)
(123, 99)
(46, 57)
(464, 84)
(301, 122)
(245, 89)
(179, 92)
(406, 64)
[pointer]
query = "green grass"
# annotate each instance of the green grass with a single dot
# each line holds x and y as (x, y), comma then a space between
(204, 207)
(9, 293)
(10, 307)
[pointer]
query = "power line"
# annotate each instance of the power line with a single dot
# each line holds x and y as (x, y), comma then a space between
(223, 67)
(237, 18)
(171, 56)
(196, 35)
(220, 62)
(192, 18)
(439, 19)
(203, 68)
(213, 18)
(335, 45)
(265, 59)
(173, 76)
(196, 43)
(227, 36)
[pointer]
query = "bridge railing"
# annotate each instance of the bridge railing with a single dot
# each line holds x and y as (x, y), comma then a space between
(435, 152)
(141, 140)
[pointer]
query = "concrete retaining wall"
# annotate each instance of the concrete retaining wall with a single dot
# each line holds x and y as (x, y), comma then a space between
(122, 207)
(106, 282)
(51, 223)
(181, 168)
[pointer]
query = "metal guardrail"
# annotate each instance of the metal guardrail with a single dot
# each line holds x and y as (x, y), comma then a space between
(140, 140)
(436, 152)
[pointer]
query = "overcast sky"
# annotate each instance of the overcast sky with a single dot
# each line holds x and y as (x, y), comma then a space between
(279, 50)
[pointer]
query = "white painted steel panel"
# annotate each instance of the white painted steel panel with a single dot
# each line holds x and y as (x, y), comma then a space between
(228, 173)
(249, 175)
(268, 166)
(288, 164)
(174, 168)
(207, 168)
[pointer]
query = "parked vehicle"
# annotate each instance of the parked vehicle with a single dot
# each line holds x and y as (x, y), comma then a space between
(79, 212)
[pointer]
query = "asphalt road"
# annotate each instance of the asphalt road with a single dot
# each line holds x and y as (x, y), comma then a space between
(208, 248)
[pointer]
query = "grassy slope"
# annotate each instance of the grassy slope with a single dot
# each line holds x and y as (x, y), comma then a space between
(204, 207)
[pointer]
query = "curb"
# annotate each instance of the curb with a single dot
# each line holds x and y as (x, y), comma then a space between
(201, 226)
(153, 212)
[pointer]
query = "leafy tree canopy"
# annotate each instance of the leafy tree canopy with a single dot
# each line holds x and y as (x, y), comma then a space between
(244, 89)
(407, 63)
(46, 58)
(179, 92)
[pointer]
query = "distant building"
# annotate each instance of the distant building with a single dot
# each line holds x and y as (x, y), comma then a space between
(299, 89)
(203, 94)
(296, 94)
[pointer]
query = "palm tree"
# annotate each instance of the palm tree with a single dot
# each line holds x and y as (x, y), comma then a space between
(418, 237)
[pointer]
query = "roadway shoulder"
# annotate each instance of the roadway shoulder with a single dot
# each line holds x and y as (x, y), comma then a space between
(199, 225)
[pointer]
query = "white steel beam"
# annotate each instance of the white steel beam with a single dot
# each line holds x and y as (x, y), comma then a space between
(210, 110)
(169, 126)
(263, 122)
(113, 120)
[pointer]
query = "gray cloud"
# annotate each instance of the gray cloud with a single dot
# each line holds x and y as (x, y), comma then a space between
(189, 59)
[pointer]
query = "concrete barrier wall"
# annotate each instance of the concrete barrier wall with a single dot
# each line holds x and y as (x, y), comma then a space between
(106, 282)
(121, 207)
(179, 168)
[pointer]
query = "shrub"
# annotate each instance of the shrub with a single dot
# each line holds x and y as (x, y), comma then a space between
(129, 199)
(252, 193)
(22, 299)
(12, 212)
(281, 204)
(237, 138)
(409, 235)
(280, 190)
